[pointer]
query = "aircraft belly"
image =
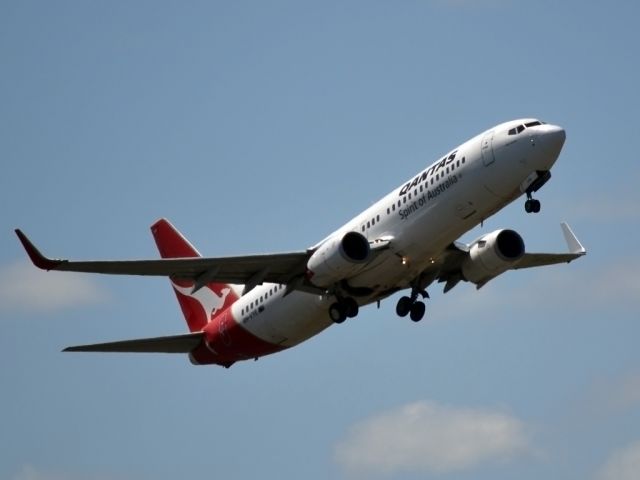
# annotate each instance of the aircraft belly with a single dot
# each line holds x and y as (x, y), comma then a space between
(384, 275)
(398, 266)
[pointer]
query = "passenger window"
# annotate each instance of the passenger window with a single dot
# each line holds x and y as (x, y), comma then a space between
(378, 218)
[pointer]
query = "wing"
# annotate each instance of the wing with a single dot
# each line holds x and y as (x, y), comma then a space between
(251, 270)
(576, 250)
(172, 344)
(449, 269)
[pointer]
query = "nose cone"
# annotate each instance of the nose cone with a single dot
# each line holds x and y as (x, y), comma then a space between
(553, 137)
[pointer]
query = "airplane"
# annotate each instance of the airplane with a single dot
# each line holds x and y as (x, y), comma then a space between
(245, 307)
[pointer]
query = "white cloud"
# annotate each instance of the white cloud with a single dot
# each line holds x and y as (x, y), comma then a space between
(25, 288)
(623, 464)
(428, 437)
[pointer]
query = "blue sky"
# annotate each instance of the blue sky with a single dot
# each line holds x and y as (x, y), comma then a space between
(260, 127)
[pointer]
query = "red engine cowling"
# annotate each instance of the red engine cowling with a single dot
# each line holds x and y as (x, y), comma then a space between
(338, 258)
(492, 255)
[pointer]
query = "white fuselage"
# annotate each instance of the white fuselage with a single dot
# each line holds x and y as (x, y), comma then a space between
(420, 219)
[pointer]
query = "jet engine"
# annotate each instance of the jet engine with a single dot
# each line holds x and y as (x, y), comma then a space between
(338, 258)
(491, 255)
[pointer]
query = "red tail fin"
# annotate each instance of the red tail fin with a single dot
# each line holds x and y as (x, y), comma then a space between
(200, 307)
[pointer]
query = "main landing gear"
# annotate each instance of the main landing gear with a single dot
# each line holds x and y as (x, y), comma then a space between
(342, 309)
(412, 306)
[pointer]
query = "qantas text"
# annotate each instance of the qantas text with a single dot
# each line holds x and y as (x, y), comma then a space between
(432, 193)
(429, 172)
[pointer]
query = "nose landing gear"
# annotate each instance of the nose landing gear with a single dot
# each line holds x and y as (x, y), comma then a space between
(531, 205)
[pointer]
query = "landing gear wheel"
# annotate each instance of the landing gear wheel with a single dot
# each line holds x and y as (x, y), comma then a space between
(404, 306)
(417, 311)
(337, 313)
(351, 307)
(531, 205)
(535, 206)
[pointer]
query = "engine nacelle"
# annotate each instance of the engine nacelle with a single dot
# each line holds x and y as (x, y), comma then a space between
(338, 258)
(492, 255)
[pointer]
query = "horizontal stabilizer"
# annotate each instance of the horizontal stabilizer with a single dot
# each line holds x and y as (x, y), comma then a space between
(171, 344)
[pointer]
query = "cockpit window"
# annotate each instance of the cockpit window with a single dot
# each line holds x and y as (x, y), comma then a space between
(516, 130)
(520, 128)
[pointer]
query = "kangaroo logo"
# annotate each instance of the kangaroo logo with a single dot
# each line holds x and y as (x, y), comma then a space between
(207, 298)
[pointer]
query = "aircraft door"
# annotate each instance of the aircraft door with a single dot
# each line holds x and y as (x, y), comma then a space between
(486, 149)
(493, 179)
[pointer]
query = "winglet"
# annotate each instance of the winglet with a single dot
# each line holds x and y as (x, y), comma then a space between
(38, 259)
(573, 243)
